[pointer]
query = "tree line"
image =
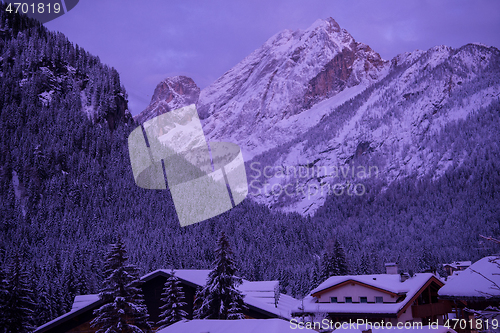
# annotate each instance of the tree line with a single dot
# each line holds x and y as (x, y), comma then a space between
(124, 309)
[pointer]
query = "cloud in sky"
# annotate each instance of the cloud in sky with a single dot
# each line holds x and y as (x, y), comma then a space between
(149, 41)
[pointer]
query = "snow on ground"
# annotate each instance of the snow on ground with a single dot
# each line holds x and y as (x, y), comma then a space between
(232, 326)
(415, 329)
(301, 122)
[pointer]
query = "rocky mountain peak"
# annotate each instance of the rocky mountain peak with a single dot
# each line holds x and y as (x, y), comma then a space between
(281, 82)
(316, 99)
(170, 94)
(330, 27)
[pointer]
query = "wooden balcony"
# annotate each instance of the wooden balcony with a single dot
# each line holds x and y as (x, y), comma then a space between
(429, 310)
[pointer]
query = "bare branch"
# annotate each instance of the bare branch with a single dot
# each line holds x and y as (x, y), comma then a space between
(490, 239)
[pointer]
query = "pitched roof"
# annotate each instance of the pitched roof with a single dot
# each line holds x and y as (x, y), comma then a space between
(388, 282)
(82, 304)
(232, 326)
(82, 301)
(193, 277)
(410, 288)
(457, 264)
(259, 296)
(477, 281)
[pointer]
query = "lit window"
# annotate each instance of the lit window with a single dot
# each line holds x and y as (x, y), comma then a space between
(333, 299)
(348, 299)
(379, 299)
(363, 299)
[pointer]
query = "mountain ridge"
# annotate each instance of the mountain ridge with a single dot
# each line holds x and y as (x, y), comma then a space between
(284, 101)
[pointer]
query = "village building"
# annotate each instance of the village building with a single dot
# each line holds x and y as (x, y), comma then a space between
(262, 299)
(456, 266)
(475, 289)
(389, 297)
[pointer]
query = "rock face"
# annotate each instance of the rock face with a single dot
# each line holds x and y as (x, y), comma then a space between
(309, 106)
(337, 74)
(170, 94)
(396, 128)
(276, 87)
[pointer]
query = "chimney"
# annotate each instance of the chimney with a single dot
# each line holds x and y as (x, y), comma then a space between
(391, 268)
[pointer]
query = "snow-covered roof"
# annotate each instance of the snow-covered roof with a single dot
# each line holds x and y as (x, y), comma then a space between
(388, 282)
(194, 276)
(199, 277)
(283, 309)
(81, 304)
(232, 326)
(259, 294)
(256, 286)
(457, 264)
(476, 281)
(82, 301)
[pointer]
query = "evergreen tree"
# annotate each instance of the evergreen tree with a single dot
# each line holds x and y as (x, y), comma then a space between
(18, 305)
(124, 310)
(220, 298)
(235, 311)
(327, 266)
(340, 259)
(44, 311)
(333, 261)
(172, 311)
(427, 261)
(316, 273)
(364, 267)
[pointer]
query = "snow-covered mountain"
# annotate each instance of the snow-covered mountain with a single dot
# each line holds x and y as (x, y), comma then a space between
(170, 94)
(272, 92)
(315, 111)
(389, 131)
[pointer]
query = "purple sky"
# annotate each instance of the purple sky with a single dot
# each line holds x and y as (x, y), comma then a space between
(147, 41)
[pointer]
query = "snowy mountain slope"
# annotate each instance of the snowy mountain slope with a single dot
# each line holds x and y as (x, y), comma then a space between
(390, 129)
(275, 86)
(315, 111)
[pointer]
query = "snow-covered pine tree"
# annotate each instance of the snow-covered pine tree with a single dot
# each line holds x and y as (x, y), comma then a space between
(340, 260)
(235, 311)
(173, 296)
(220, 294)
(333, 261)
(18, 305)
(315, 276)
(124, 310)
(364, 267)
(328, 266)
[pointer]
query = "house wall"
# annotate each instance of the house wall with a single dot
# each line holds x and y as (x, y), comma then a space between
(355, 291)
(406, 316)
